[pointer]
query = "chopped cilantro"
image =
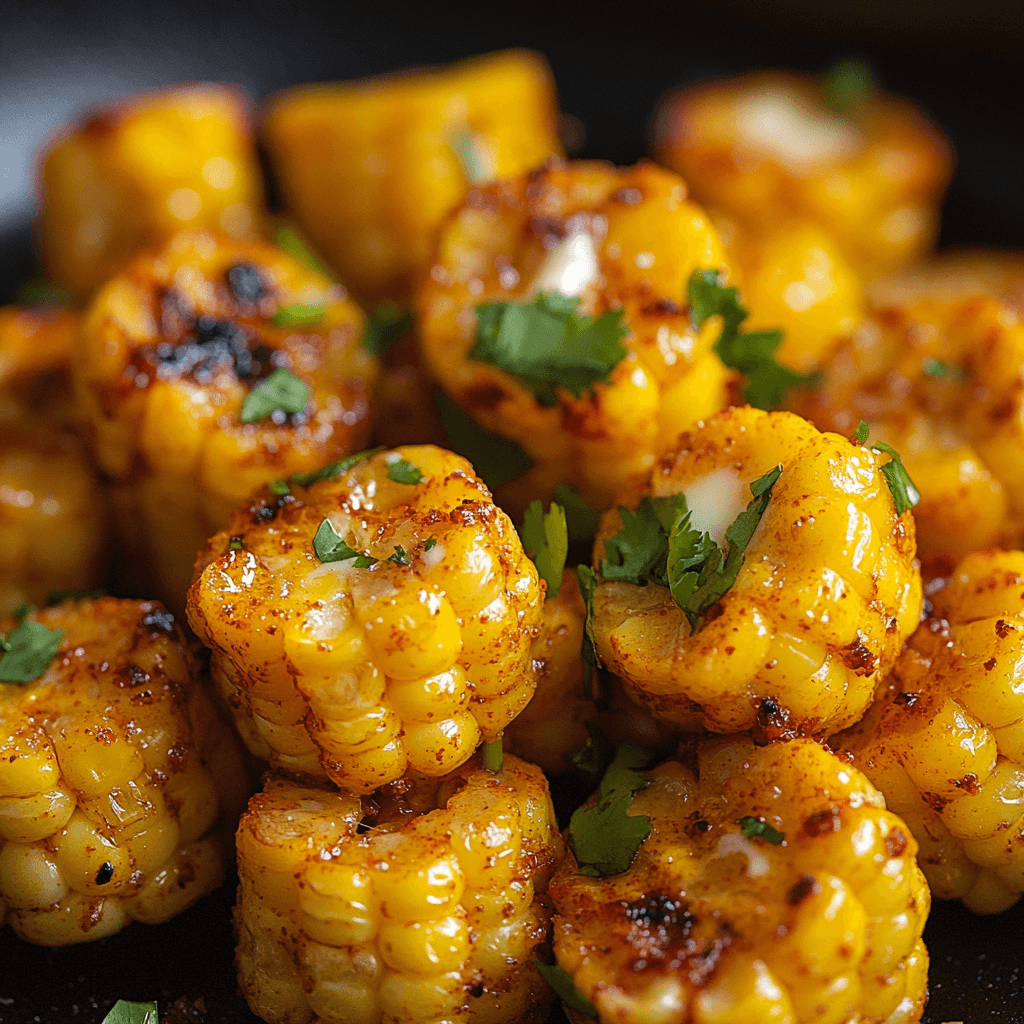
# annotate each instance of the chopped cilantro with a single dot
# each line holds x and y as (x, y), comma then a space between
(546, 541)
(848, 85)
(27, 651)
(750, 352)
(492, 754)
(495, 459)
(638, 552)
(386, 326)
(603, 837)
(468, 151)
(429, 543)
(294, 243)
(862, 433)
(565, 988)
(299, 314)
(938, 368)
(399, 557)
(546, 345)
(581, 520)
(280, 392)
(332, 468)
(904, 494)
(329, 547)
(587, 579)
(758, 828)
(125, 1012)
(280, 487)
(236, 544)
(403, 472)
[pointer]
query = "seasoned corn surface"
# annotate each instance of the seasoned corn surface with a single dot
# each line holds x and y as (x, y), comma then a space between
(424, 903)
(712, 926)
(826, 593)
(358, 674)
(119, 783)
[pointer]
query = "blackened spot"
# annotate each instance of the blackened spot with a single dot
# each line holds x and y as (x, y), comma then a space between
(823, 822)
(1003, 628)
(246, 283)
(662, 307)
(769, 708)
(907, 700)
(105, 873)
(132, 677)
(659, 910)
(477, 990)
(159, 618)
(702, 825)
(265, 510)
(807, 885)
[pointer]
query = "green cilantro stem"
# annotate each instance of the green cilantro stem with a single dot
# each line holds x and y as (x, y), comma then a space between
(299, 315)
(492, 754)
(332, 468)
(469, 152)
(757, 828)
(546, 541)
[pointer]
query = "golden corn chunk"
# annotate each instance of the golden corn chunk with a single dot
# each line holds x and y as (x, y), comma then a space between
(423, 904)
(766, 148)
(945, 741)
(35, 341)
(359, 669)
(174, 349)
(119, 782)
(939, 379)
(826, 593)
(618, 239)
(134, 173)
(774, 886)
(370, 169)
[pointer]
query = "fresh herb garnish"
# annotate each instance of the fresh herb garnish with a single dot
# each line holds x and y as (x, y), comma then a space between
(429, 543)
(37, 291)
(603, 837)
(294, 243)
(399, 557)
(403, 472)
(492, 754)
(581, 520)
(495, 459)
(332, 468)
(587, 579)
(385, 327)
(546, 345)
(299, 314)
(638, 553)
(329, 547)
(236, 544)
(750, 352)
(280, 392)
(595, 755)
(467, 149)
(546, 541)
(565, 988)
(27, 650)
(937, 368)
(848, 85)
(904, 494)
(125, 1012)
(757, 828)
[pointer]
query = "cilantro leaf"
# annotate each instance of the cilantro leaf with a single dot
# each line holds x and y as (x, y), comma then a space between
(399, 557)
(638, 552)
(757, 828)
(295, 244)
(938, 368)
(125, 1012)
(848, 85)
(386, 326)
(299, 314)
(403, 472)
(332, 468)
(862, 433)
(904, 494)
(689, 550)
(280, 488)
(581, 520)
(565, 988)
(329, 547)
(495, 459)
(603, 837)
(595, 755)
(587, 580)
(469, 152)
(546, 345)
(750, 352)
(429, 543)
(546, 541)
(491, 754)
(280, 392)
(27, 651)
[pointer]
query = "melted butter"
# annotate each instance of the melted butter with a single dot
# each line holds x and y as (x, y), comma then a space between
(757, 863)
(570, 268)
(715, 501)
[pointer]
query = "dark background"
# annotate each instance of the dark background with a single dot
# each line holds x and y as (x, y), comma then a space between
(962, 60)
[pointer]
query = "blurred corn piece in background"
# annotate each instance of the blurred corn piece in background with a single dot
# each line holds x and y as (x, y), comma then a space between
(617, 239)
(774, 886)
(172, 349)
(370, 169)
(945, 741)
(119, 783)
(35, 342)
(132, 174)
(396, 644)
(870, 169)
(423, 904)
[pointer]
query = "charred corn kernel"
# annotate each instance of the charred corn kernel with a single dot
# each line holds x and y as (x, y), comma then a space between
(939, 380)
(119, 783)
(820, 920)
(173, 348)
(827, 591)
(939, 742)
(356, 674)
(618, 239)
(134, 173)
(370, 169)
(425, 902)
(765, 148)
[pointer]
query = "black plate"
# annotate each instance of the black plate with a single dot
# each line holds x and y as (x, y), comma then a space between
(59, 57)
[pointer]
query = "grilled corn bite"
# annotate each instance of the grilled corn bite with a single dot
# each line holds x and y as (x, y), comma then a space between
(424, 903)
(940, 380)
(134, 173)
(817, 610)
(35, 341)
(119, 783)
(766, 148)
(774, 886)
(178, 373)
(624, 242)
(393, 638)
(945, 741)
(370, 169)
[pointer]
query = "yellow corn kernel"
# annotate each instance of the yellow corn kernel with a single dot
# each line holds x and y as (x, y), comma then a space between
(134, 173)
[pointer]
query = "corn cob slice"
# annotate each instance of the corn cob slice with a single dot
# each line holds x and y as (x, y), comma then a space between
(619, 239)
(774, 886)
(423, 904)
(132, 174)
(356, 674)
(174, 350)
(827, 590)
(119, 783)
(370, 169)
(765, 148)
(945, 741)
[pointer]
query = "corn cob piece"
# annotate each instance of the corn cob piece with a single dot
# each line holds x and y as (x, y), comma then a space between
(618, 240)
(175, 352)
(766, 148)
(423, 904)
(400, 650)
(119, 783)
(818, 609)
(945, 741)
(370, 169)
(133, 174)
(35, 341)
(774, 886)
